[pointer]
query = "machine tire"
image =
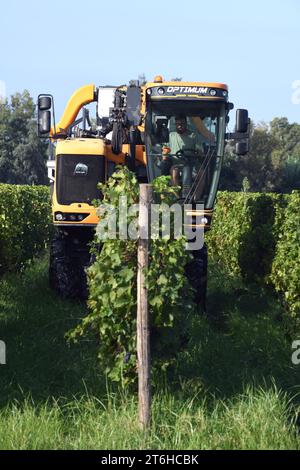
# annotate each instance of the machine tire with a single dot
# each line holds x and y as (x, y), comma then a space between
(69, 258)
(196, 272)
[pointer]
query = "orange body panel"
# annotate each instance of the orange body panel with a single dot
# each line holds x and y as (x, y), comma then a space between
(81, 97)
(91, 147)
(120, 158)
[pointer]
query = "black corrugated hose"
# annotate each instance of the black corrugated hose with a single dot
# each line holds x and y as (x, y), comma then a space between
(118, 137)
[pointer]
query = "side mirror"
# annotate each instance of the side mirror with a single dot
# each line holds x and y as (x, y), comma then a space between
(44, 115)
(241, 120)
(44, 103)
(242, 148)
(44, 123)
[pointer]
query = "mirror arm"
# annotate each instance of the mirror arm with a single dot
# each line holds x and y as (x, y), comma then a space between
(239, 135)
(236, 135)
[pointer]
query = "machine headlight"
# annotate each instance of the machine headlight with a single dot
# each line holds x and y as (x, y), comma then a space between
(161, 91)
(213, 92)
(59, 216)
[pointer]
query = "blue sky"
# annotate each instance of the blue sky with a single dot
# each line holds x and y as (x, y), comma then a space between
(58, 46)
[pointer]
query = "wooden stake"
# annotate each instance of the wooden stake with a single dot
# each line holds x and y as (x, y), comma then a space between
(143, 328)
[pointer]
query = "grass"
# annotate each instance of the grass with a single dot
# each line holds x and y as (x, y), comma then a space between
(256, 420)
(235, 388)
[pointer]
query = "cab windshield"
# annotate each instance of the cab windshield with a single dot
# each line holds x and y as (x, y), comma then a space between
(185, 141)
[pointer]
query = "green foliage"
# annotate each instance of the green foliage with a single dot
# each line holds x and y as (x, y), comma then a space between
(22, 154)
(286, 266)
(24, 223)
(244, 233)
(256, 236)
(113, 289)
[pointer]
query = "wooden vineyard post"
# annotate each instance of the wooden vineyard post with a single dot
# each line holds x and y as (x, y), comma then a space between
(143, 328)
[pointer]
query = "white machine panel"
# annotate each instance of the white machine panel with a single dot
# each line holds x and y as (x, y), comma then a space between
(106, 96)
(51, 170)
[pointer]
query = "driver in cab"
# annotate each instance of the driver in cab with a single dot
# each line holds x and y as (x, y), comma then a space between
(184, 143)
(182, 149)
(182, 139)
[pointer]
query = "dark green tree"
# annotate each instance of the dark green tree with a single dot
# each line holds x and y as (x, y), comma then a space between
(256, 166)
(273, 162)
(22, 154)
(286, 157)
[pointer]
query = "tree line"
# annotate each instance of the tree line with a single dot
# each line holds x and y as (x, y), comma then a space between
(272, 164)
(23, 155)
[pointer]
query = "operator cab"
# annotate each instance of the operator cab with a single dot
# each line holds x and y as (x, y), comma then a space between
(185, 137)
